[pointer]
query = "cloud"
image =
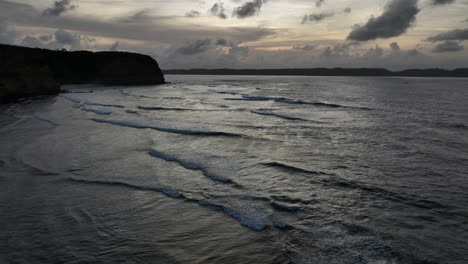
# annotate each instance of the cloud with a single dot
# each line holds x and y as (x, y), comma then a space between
(115, 46)
(305, 47)
(396, 19)
(318, 3)
(345, 55)
(218, 10)
(448, 46)
(7, 36)
(347, 10)
(195, 47)
(66, 38)
(456, 34)
(442, 2)
(395, 47)
(338, 50)
(316, 17)
(249, 9)
(59, 40)
(159, 29)
(343, 51)
(32, 42)
(214, 53)
(221, 42)
(413, 52)
(203, 45)
(192, 13)
(45, 38)
(141, 16)
(344, 48)
(60, 7)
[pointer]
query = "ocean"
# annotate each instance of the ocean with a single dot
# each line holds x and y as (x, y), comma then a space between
(238, 169)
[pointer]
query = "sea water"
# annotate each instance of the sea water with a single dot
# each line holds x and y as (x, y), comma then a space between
(238, 169)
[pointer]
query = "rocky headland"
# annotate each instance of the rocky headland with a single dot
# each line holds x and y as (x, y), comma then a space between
(31, 71)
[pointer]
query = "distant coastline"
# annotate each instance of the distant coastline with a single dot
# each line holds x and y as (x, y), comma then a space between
(460, 73)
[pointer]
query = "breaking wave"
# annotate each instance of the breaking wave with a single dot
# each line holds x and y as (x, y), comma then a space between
(96, 111)
(45, 118)
(103, 105)
(137, 125)
(292, 168)
(166, 191)
(84, 102)
(226, 92)
(156, 108)
(291, 101)
(336, 182)
(278, 115)
(190, 166)
(252, 217)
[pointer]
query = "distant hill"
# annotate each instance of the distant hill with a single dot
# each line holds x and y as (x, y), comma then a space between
(327, 72)
(31, 71)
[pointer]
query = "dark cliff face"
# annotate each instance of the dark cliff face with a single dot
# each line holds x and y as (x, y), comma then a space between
(29, 72)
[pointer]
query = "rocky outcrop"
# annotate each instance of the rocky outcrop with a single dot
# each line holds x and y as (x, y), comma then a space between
(29, 72)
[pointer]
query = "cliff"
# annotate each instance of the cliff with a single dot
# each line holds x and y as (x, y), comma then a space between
(30, 72)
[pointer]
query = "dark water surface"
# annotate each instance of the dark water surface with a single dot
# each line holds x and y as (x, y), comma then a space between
(226, 169)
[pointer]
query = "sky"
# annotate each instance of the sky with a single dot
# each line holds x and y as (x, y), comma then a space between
(184, 34)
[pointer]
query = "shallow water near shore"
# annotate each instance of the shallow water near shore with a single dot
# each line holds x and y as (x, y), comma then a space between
(238, 169)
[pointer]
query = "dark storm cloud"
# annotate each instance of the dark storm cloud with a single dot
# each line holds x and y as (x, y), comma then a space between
(442, 2)
(59, 7)
(316, 17)
(218, 10)
(397, 17)
(448, 46)
(456, 34)
(249, 9)
(195, 47)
